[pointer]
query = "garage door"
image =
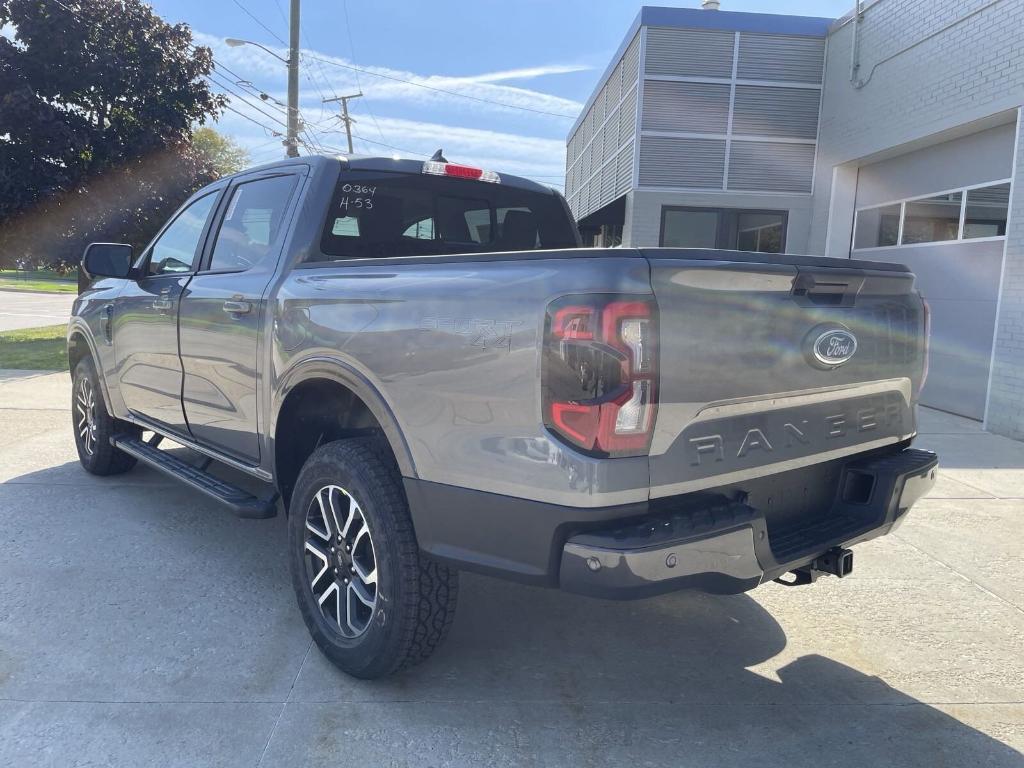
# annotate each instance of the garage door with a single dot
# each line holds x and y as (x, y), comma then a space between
(961, 285)
(942, 211)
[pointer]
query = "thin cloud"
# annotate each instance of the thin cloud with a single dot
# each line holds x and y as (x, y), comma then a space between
(532, 156)
(331, 73)
(517, 154)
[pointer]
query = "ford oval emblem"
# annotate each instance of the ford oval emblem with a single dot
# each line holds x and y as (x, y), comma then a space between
(833, 347)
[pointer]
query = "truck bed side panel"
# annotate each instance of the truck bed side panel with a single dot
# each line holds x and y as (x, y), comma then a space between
(453, 346)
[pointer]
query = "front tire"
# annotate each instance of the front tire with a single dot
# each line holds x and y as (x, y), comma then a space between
(372, 602)
(94, 426)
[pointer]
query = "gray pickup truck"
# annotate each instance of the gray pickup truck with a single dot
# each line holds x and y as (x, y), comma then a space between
(418, 363)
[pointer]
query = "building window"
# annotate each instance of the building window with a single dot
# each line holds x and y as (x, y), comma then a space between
(729, 228)
(682, 228)
(932, 220)
(878, 227)
(961, 214)
(761, 232)
(985, 214)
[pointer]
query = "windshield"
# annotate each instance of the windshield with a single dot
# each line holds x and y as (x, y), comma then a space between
(378, 215)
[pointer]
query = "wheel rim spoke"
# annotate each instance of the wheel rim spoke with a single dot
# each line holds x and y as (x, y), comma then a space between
(362, 592)
(323, 560)
(368, 578)
(323, 531)
(325, 601)
(341, 564)
(352, 509)
(85, 406)
(330, 493)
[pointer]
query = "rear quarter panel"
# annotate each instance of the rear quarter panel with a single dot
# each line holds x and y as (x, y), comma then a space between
(453, 348)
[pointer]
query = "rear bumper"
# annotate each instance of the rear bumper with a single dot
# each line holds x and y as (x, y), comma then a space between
(727, 540)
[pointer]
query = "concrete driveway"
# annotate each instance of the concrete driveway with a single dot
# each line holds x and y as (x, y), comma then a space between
(30, 310)
(141, 625)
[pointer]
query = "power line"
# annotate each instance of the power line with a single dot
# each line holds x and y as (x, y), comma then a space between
(307, 72)
(380, 143)
(250, 119)
(262, 95)
(243, 99)
(440, 90)
(352, 52)
(252, 16)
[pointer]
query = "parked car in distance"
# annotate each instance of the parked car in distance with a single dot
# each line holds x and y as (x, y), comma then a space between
(428, 374)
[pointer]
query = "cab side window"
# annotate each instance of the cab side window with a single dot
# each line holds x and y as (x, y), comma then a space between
(252, 223)
(175, 250)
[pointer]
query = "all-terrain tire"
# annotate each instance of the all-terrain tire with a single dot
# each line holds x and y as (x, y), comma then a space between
(415, 597)
(93, 425)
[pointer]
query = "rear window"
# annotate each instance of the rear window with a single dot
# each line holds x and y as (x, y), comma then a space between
(378, 215)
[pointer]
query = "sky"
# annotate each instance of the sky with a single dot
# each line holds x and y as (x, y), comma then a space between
(543, 57)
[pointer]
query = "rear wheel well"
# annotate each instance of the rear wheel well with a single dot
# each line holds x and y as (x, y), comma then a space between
(316, 412)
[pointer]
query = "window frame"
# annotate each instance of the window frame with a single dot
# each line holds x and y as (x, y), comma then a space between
(902, 203)
(726, 229)
(220, 211)
(141, 266)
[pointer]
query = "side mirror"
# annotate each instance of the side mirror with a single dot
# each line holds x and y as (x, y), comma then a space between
(107, 260)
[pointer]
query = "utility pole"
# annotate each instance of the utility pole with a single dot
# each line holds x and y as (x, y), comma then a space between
(293, 82)
(345, 117)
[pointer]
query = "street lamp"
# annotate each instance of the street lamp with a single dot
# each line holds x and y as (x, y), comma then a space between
(234, 42)
(292, 62)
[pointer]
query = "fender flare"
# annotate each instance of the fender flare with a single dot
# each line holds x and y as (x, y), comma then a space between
(341, 372)
(78, 327)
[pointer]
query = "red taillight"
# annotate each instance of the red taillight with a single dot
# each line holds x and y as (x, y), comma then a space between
(599, 375)
(927, 343)
(436, 168)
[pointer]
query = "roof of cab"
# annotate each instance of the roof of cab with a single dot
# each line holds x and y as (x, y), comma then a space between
(389, 165)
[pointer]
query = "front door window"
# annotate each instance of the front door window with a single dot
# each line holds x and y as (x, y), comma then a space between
(175, 249)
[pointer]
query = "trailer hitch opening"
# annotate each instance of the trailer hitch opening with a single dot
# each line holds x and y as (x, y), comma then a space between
(837, 561)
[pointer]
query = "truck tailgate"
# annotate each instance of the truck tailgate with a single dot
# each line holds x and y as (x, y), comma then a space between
(742, 391)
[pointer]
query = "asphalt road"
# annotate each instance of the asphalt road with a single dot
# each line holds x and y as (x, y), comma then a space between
(141, 625)
(30, 310)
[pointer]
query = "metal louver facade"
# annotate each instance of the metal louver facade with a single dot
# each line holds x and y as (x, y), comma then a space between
(740, 108)
(701, 101)
(599, 151)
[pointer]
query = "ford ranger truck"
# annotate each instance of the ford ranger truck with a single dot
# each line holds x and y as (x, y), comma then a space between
(419, 366)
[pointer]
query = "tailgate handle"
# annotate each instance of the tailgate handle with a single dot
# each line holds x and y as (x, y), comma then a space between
(812, 290)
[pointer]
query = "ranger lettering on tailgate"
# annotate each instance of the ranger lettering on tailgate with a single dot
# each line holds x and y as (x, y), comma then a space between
(793, 432)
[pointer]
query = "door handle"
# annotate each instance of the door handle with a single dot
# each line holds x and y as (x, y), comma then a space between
(162, 303)
(237, 307)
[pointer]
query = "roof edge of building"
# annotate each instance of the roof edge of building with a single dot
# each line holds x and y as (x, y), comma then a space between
(699, 18)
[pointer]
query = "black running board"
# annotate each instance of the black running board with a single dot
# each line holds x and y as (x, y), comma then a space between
(241, 502)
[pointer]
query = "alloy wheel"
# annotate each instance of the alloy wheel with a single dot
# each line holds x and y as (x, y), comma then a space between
(341, 566)
(85, 411)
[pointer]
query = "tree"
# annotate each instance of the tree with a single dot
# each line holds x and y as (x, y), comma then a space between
(97, 103)
(223, 154)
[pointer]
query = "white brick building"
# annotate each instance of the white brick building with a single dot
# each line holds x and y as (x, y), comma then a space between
(891, 134)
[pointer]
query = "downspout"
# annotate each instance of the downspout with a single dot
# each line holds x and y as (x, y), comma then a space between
(860, 82)
(858, 17)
